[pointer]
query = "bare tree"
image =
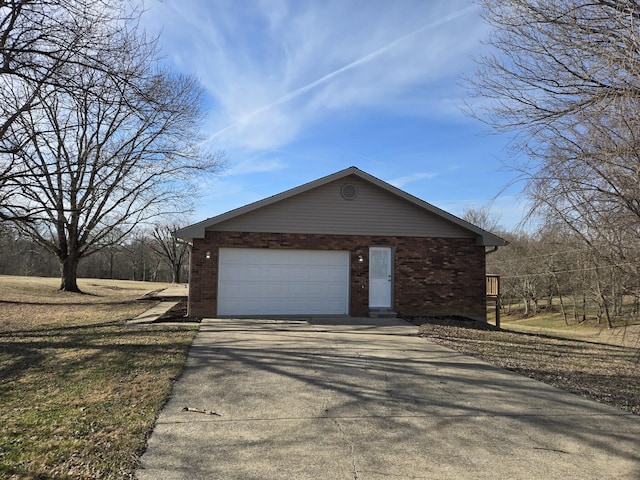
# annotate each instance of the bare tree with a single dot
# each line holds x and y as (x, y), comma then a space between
(40, 40)
(106, 153)
(566, 78)
(481, 217)
(173, 251)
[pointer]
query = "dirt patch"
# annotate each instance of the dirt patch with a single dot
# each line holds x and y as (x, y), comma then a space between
(607, 373)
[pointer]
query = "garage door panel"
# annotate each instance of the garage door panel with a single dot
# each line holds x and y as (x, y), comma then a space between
(322, 273)
(270, 272)
(251, 290)
(318, 290)
(333, 290)
(297, 290)
(294, 274)
(234, 274)
(282, 282)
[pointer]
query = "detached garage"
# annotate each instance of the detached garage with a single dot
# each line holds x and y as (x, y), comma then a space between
(345, 244)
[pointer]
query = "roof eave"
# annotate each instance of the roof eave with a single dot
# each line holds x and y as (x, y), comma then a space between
(197, 230)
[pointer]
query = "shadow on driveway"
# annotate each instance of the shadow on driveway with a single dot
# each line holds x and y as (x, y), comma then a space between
(351, 399)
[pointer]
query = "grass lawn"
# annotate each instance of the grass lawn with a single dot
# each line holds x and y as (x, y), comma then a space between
(79, 390)
(625, 332)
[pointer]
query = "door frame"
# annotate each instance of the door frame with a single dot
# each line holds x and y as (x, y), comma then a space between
(391, 253)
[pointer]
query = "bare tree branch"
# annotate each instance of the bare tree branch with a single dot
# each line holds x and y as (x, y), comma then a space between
(106, 152)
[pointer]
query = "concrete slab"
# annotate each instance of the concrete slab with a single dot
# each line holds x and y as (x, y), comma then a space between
(368, 399)
(169, 297)
(177, 292)
(152, 314)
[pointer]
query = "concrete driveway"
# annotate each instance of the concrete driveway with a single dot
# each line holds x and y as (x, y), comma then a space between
(345, 399)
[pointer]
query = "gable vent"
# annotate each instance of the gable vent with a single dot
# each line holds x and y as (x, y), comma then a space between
(349, 191)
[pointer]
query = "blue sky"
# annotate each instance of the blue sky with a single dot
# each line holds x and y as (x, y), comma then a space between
(299, 89)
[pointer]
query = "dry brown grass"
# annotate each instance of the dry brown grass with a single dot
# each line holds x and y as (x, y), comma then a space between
(80, 390)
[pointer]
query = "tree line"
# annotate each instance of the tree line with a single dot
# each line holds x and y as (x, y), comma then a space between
(152, 254)
(554, 270)
(549, 268)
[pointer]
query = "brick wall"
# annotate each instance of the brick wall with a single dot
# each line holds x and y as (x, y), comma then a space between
(432, 276)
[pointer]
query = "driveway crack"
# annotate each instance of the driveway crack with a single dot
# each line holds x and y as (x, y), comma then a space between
(352, 448)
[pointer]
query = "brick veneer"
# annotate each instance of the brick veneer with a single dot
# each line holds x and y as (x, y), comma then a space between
(432, 276)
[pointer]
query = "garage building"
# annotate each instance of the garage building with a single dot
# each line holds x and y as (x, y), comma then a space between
(345, 244)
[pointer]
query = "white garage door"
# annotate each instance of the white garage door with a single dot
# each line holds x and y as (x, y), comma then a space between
(283, 282)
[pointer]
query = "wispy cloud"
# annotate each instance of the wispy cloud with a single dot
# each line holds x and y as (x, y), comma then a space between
(339, 71)
(298, 89)
(255, 166)
(402, 181)
(276, 68)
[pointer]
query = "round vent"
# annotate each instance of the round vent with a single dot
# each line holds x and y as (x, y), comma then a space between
(349, 191)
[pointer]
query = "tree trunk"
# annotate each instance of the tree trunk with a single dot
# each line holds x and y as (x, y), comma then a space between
(69, 271)
(527, 303)
(111, 263)
(177, 267)
(607, 313)
(534, 301)
(563, 310)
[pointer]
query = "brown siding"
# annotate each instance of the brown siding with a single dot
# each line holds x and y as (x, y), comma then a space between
(323, 210)
(432, 276)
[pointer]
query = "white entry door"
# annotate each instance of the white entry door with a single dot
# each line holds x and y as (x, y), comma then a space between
(380, 277)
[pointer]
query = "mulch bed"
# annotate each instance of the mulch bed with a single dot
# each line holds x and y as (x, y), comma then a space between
(606, 373)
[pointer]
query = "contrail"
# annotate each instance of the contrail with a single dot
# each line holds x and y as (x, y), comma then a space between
(367, 58)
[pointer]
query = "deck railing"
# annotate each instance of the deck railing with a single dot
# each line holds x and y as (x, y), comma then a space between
(493, 293)
(493, 286)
